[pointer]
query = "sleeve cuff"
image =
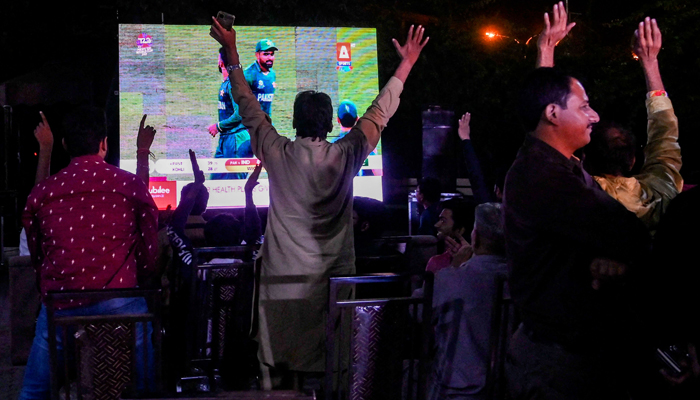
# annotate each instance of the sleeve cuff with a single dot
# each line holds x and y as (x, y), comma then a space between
(395, 83)
(658, 103)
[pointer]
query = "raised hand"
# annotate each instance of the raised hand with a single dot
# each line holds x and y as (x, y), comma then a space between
(553, 32)
(414, 45)
(461, 251)
(252, 181)
(647, 43)
(144, 139)
(225, 37)
(464, 131)
(43, 134)
(198, 174)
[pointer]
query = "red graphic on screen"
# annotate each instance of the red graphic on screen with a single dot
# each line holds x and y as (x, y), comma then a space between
(143, 44)
(164, 193)
(343, 56)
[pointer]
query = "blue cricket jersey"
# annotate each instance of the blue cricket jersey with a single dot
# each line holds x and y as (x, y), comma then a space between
(262, 85)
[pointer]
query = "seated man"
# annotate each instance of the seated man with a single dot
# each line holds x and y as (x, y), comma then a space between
(456, 217)
(373, 255)
(368, 221)
(90, 226)
(462, 303)
(428, 197)
(194, 226)
(221, 231)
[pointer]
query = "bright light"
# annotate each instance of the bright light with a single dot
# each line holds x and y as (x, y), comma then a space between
(491, 35)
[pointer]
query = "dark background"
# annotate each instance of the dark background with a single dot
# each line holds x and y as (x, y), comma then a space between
(55, 56)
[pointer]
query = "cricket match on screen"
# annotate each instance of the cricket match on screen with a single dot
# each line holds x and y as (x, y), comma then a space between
(177, 76)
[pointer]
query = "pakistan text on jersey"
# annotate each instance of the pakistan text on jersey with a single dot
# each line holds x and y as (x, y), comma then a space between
(267, 97)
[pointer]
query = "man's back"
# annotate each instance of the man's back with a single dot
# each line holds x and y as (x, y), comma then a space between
(308, 238)
(311, 191)
(309, 234)
(91, 226)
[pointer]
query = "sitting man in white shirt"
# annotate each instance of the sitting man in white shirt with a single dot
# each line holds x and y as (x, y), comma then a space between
(462, 304)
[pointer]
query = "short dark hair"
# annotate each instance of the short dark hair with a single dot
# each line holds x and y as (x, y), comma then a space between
(224, 59)
(372, 211)
(200, 205)
(223, 230)
(313, 114)
(462, 212)
(84, 129)
(609, 154)
(542, 87)
(430, 188)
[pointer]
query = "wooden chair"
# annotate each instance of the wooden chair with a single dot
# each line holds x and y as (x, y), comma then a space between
(502, 328)
(374, 342)
(103, 347)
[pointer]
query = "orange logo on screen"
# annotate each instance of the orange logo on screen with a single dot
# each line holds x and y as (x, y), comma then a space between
(342, 52)
(164, 193)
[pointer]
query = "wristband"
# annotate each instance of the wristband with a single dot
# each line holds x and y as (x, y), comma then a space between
(231, 68)
(147, 151)
(657, 93)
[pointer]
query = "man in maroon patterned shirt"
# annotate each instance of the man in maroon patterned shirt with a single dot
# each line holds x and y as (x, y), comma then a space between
(90, 226)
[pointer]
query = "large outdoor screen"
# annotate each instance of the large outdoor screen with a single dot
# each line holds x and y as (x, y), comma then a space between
(170, 72)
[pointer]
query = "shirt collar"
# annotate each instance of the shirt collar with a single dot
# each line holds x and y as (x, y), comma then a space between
(309, 141)
(549, 153)
(86, 159)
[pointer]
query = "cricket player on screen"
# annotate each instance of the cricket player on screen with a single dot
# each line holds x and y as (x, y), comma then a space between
(234, 139)
(347, 117)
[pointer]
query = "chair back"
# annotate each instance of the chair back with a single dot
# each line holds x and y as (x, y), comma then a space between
(417, 250)
(502, 328)
(222, 291)
(375, 346)
(104, 347)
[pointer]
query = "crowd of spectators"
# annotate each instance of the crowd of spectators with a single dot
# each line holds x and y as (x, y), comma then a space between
(576, 235)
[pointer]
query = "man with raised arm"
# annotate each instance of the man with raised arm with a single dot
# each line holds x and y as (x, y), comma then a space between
(234, 140)
(91, 226)
(571, 250)
(611, 154)
(309, 234)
